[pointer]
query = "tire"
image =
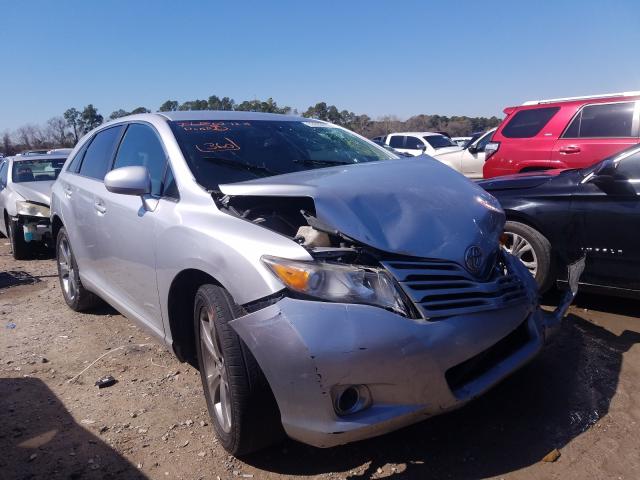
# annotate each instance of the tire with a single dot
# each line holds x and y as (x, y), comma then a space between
(77, 297)
(19, 247)
(533, 249)
(242, 407)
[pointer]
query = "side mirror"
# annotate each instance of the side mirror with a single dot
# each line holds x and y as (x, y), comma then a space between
(129, 181)
(606, 169)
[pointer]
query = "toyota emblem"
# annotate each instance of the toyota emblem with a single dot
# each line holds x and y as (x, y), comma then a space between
(473, 259)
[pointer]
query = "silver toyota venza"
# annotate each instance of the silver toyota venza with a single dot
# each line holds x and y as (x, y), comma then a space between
(324, 287)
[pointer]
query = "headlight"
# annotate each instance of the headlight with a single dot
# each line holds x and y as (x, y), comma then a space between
(339, 283)
(32, 209)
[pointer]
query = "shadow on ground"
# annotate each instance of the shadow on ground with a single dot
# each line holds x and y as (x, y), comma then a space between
(40, 439)
(544, 406)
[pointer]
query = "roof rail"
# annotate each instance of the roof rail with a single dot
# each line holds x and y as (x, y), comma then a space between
(586, 97)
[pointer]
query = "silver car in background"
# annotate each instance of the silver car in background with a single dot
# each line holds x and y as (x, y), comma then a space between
(324, 287)
(25, 189)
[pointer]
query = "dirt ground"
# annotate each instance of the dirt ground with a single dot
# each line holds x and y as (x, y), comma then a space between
(581, 396)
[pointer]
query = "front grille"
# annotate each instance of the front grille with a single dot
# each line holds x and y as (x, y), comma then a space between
(467, 371)
(443, 289)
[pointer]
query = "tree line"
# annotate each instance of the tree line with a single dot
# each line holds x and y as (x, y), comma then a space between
(67, 129)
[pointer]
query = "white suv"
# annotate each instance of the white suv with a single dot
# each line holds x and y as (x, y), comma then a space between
(470, 160)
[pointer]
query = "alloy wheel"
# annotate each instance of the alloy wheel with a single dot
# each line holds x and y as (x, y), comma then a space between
(214, 369)
(65, 266)
(520, 248)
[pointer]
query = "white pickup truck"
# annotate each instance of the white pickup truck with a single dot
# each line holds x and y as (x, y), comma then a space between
(468, 161)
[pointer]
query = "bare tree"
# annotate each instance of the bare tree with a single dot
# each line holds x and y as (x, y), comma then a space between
(57, 134)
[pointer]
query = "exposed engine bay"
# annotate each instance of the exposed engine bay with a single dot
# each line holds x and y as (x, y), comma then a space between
(294, 217)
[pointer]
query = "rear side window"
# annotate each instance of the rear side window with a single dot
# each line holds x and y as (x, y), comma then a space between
(397, 141)
(528, 123)
(141, 147)
(98, 157)
(414, 143)
(609, 120)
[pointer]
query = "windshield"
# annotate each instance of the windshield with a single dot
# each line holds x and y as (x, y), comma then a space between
(221, 152)
(439, 141)
(36, 170)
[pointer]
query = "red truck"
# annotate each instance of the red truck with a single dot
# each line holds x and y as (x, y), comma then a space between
(563, 133)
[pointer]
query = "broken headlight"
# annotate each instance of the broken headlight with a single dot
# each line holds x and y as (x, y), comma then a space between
(31, 209)
(339, 283)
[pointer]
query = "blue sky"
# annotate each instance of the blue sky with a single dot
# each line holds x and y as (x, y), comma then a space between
(401, 57)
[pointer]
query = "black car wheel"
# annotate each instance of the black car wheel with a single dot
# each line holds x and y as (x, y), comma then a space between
(532, 249)
(19, 247)
(241, 405)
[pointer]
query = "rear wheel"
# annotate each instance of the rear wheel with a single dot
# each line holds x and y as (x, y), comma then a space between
(77, 297)
(19, 247)
(532, 249)
(241, 405)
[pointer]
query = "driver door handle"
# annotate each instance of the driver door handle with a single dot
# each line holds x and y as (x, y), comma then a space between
(100, 207)
(67, 191)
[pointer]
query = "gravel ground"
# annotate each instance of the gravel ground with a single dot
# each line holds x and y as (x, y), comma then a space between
(581, 397)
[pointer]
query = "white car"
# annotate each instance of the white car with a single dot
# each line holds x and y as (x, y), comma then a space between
(470, 160)
(461, 141)
(418, 143)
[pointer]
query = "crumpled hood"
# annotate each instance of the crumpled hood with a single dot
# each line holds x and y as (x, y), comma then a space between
(35, 191)
(416, 208)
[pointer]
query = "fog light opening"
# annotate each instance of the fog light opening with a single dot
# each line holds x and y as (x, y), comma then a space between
(352, 399)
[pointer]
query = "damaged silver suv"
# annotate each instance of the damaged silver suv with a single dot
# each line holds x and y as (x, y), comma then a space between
(326, 289)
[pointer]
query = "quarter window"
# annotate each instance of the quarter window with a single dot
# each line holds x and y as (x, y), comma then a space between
(74, 165)
(397, 141)
(100, 153)
(169, 187)
(609, 120)
(141, 147)
(528, 123)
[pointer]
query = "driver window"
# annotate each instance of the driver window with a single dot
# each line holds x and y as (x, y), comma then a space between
(480, 146)
(629, 168)
(141, 147)
(414, 143)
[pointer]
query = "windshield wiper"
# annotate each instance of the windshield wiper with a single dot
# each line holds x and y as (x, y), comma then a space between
(308, 161)
(242, 165)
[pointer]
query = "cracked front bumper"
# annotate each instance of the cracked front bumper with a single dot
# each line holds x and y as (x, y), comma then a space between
(308, 350)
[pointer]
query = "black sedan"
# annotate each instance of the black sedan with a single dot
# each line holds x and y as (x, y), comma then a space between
(555, 216)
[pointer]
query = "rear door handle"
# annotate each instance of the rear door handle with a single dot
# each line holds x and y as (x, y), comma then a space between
(570, 149)
(67, 191)
(100, 207)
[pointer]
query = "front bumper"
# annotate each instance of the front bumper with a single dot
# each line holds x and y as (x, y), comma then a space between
(413, 369)
(34, 229)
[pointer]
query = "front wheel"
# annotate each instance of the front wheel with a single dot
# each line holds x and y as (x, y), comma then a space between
(19, 247)
(241, 405)
(533, 249)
